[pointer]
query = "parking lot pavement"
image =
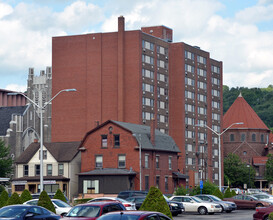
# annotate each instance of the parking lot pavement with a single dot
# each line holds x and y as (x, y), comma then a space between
(235, 215)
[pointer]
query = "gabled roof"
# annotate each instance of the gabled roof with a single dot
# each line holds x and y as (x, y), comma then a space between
(61, 151)
(163, 142)
(5, 116)
(259, 160)
(240, 111)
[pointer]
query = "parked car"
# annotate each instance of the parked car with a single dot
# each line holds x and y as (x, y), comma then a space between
(128, 205)
(254, 191)
(130, 193)
(247, 202)
(262, 213)
(134, 215)
(175, 207)
(22, 212)
(92, 210)
(195, 204)
(61, 207)
(51, 195)
(264, 196)
(237, 191)
(225, 205)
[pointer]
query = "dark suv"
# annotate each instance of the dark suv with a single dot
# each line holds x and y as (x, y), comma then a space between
(131, 193)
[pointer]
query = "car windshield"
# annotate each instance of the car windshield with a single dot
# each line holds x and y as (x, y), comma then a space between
(12, 212)
(215, 198)
(84, 211)
(115, 216)
(60, 203)
(196, 199)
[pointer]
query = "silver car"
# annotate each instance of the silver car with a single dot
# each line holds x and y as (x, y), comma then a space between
(225, 205)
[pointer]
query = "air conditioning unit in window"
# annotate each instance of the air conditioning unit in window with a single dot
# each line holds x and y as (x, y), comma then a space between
(144, 49)
(213, 157)
(166, 58)
(143, 93)
(144, 121)
(158, 96)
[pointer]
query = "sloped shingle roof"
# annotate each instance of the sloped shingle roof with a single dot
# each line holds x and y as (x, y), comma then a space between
(61, 151)
(241, 111)
(260, 160)
(5, 117)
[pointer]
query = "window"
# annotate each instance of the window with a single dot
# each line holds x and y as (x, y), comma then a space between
(215, 164)
(162, 118)
(215, 104)
(189, 94)
(243, 137)
(157, 181)
(90, 186)
(148, 73)
(147, 45)
(202, 149)
(215, 92)
(146, 165)
(189, 108)
(215, 176)
(60, 169)
(157, 162)
(215, 152)
(162, 91)
(49, 169)
(116, 139)
(162, 64)
(215, 140)
(201, 59)
(44, 154)
(215, 81)
(216, 128)
(215, 116)
(201, 162)
(215, 69)
(147, 115)
(121, 161)
(202, 122)
(147, 183)
(189, 68)
(244, 153)
(202, 136)
(51, 187)
(162, 50)
(231, 137)
(148, 101)
(162, 77)
(189, 134)
(189, 121)
(262, 138)
(189, 81)
(162, 105)
(25, 170)
(104, 140)
(202, 111)
(201, 72)
(19, 187)
(190, 161)
(202, 98)
(99, 161)
(37, 169)
(189, 147)
(166, 184)
(147, 59)
(201, 85)
(170, 163)
(253, 137)
(189, 55)
(147, 87)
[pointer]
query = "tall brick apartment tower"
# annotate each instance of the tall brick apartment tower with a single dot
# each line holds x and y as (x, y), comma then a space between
(134, 76)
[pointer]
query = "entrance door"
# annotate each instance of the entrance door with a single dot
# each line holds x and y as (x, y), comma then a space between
(32, 188)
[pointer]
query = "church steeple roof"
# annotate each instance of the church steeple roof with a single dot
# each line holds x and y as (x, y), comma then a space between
(241, 111)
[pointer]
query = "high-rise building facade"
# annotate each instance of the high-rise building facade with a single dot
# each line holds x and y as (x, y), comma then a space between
(135, 76)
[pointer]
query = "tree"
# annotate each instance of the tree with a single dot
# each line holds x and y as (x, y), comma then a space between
(269, 168)
(181, 190)
(237, 172)
(45, 201)
(218, 193)
(4, 198)
(59, 195)
(14, 199)
(228, 193)
(25, 196)
(5, 160)
(155, 201)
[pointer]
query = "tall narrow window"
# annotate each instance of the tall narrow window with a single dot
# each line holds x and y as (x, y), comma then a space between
(25, 170)
(157, 181)
(243, 137)
(99, 161)
(170, 162)
(49, 169)
(116, 139)
(253, 137)
(166, 184)
(147, 183)
(146, 161)
(37, 169)
(262, 138)
(44, 154)
(157, 162)
(61, 169)
(104, 140)
(121, 161)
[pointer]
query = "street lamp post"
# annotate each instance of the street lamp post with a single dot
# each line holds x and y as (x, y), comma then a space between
(140, 169)
(219, 146)
(41, 127)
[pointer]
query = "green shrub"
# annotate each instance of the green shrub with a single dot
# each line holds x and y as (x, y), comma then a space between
(181, 191)
(2, 188)
(228, 193)
(4, 198)
(155, 201)
(59, 195)
(233, 193)
(81, 201)
(45, 201)
(25, 196)
(218, 193)
(270, 217)
(14, 199)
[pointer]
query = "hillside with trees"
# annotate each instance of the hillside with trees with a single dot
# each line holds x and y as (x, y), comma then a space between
(260, 99)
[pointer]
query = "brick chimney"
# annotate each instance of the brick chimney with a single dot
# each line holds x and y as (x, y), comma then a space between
(97, 123)
(152, 131)
(35, 140)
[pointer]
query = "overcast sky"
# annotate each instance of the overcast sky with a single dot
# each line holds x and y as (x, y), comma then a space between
(237, 32)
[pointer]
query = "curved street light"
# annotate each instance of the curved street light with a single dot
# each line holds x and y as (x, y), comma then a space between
(41, 127)
(219, 146)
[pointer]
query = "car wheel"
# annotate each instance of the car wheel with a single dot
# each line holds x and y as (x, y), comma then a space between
(259, 205)
(175, 214)
(265, 218)
(228, 211)
(202, 210)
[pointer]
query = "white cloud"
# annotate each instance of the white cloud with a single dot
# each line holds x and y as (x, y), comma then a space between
(17, 88)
